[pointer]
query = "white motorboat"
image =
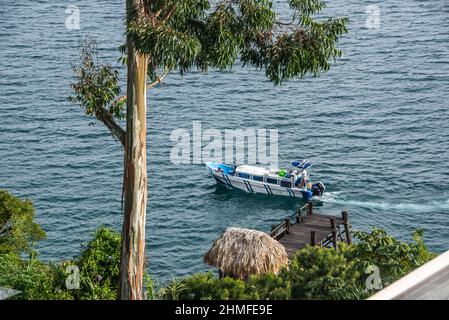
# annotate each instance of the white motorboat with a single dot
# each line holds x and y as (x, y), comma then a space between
(294, 183)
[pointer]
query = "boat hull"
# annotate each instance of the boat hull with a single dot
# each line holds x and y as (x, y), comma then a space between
(260, 187)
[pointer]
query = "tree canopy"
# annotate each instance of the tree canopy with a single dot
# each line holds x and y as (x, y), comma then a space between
(181, 34)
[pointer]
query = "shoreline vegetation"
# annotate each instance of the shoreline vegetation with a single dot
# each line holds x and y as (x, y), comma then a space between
(313, 273)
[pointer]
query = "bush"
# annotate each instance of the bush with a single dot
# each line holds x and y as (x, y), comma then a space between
(35, 280)
(18, 231)
(207, 287)
(321, 273)
(393, 257)
(99, 265)
(269, 287)
(20, 268)
(18, 236)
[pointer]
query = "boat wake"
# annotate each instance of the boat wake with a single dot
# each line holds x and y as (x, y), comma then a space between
(431, 206)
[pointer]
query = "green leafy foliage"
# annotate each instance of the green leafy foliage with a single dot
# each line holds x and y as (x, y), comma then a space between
(393, 257)
(205, 287)
(306, 7)
(99, 265)
(97, 90)
(185, 33)
(18, 231)
(149, 287)
(317, 273)
(36, 280)
(269, 286)
(98, 262)
(19, 234)
(97, 86)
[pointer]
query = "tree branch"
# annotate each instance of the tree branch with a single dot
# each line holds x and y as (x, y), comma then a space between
(169, 14)
(157, 81)
(117, 132)
(149, 85)
(282, 23)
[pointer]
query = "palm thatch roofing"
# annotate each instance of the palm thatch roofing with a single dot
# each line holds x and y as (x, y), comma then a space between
(240, 253)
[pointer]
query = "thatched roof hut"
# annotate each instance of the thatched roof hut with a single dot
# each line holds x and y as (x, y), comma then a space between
(240, 253)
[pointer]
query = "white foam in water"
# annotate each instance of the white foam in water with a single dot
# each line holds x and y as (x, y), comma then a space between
(432, 206)
(329, 197)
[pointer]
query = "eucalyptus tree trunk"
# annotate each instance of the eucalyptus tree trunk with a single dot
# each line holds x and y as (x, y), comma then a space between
(135, 174)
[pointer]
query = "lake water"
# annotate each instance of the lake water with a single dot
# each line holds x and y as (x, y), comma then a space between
(376, 127)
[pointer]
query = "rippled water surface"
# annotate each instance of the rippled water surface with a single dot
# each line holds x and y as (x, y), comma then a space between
(376, 126)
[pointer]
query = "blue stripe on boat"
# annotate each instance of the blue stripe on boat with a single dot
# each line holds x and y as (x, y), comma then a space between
(248, 186)
(228, 181)
(225, 178)
(267, 187)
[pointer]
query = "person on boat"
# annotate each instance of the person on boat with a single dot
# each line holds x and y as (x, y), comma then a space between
(301, 181)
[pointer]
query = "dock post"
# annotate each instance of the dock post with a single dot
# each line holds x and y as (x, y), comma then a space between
(310, 208)
(313, 238)
(287, 225)
(345, 216)
(334, 232)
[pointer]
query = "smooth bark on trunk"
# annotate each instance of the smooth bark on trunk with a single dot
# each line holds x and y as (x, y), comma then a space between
(135, 176)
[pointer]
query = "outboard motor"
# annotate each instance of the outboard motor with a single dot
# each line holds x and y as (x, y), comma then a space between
(318, 189)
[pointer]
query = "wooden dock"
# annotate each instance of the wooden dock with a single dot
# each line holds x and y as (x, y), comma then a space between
(306, 227)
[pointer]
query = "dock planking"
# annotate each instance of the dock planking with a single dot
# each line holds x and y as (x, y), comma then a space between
(308, 228)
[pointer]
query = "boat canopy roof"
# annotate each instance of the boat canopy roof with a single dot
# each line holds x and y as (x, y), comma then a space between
(304, 164)
(253, 170)
(259, 171)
